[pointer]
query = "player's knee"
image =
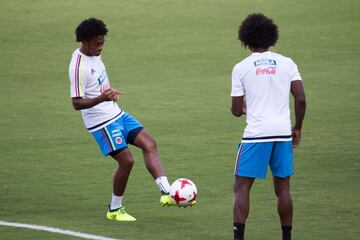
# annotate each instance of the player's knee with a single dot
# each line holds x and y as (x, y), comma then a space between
(242, 184)
(124, 158)
(127, 160)
(281, 192)
(150, 146)
(241, 188)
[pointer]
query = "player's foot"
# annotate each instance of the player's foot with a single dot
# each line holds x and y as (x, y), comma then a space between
(119, 215)
(166, 200)
(193, 203)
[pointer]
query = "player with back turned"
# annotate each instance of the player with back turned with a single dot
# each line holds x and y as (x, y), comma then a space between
(266, 80)
(112, 128)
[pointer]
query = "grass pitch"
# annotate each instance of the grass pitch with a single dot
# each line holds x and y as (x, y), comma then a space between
(174, 60)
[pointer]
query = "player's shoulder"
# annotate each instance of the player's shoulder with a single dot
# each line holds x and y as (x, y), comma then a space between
(282, 58)
(78, 59)
(243, 63)
(75, 53)
(78, 55)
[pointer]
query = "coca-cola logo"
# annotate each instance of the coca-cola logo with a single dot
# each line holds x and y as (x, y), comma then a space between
(269, 70)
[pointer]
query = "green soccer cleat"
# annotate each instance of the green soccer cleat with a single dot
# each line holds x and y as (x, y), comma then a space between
(119, 215)
(166, 200)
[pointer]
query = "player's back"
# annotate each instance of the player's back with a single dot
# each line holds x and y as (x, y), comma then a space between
(266, 79)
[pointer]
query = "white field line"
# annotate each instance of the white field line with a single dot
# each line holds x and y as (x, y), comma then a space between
(55, 230)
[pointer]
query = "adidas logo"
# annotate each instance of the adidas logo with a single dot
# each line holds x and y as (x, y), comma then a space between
(92, 71)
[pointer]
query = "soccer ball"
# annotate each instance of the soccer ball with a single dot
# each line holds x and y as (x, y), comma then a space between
(183, 191)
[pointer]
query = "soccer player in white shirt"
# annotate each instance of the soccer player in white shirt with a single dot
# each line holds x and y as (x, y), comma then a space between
(266, 80)
(112, 128)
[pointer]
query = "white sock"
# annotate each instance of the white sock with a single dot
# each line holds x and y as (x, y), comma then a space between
(116, 202)
(163, 184)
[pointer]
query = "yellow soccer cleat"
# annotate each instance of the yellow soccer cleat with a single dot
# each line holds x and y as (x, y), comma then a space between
(119, 215)
(166, 200)
(191, 204)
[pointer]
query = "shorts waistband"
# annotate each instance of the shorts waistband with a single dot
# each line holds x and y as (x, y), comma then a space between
(103, 124)
(283, 138)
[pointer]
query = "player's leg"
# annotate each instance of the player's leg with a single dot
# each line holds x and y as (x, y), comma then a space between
(120, 178)
(125, 163)
(139, 137)
(284, 205)
(151, 156)
(281, 164)
(242, 186)
(136, 135)
(251, 162)
(154, 165)
(112, 142)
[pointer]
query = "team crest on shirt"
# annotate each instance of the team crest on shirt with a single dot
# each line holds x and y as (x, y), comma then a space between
(93, 71)
(265, 61)
(118, 140)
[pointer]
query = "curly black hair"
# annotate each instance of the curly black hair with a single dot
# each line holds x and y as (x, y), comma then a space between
(90, 28)
(258, 31)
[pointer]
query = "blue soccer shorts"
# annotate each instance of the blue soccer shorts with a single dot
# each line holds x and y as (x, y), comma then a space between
(116, 135)
(253, 159)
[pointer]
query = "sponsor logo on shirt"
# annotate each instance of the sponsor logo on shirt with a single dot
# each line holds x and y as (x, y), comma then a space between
(103, 76)
(265, 61)
(269, 70)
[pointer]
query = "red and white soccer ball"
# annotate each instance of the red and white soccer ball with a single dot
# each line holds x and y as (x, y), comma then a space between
(183, 191)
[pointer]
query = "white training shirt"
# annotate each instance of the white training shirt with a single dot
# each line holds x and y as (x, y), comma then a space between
(265, 79)
(88, 79)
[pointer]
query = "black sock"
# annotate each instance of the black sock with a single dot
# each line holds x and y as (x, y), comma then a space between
(286, 232)
(239, 231)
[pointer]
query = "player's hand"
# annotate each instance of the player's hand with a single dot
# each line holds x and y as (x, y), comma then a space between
(111, 95)
(296, 136)
(115, 94)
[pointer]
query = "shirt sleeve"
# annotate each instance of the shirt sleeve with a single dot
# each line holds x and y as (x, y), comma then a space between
(77, 76)
(294, 72)
(237, 87)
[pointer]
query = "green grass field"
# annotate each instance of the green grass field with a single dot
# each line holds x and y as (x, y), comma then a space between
(174, 60)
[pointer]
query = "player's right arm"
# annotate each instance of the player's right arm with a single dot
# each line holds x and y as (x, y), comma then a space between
(80, 103)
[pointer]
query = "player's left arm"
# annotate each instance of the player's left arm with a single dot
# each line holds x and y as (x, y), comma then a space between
(238, 106)
(297, 90)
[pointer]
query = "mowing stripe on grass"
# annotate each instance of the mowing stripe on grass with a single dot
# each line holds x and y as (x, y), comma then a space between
(55, 230)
